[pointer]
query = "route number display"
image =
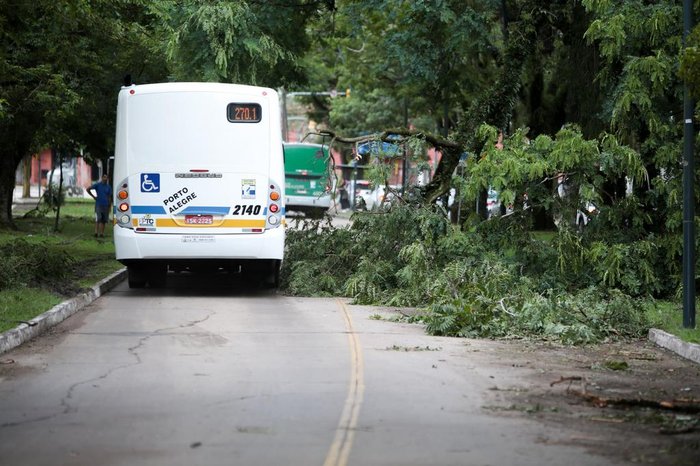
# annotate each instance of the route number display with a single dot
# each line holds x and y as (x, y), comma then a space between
(244, 113)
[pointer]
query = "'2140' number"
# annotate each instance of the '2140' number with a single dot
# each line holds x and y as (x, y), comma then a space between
(246, 209)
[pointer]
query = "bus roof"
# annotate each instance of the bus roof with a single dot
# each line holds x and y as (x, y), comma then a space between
(199, 87)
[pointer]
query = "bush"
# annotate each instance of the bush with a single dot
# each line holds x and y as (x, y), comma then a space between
(53, 197)
(493, 281)
(28, 264)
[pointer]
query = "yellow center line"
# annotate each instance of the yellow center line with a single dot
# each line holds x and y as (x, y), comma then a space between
(345, 433)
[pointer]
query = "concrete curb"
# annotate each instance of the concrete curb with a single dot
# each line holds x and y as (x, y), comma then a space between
(673, 343)
(23, 332)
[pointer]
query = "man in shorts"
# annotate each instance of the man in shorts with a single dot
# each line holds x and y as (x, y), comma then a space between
(103, 201)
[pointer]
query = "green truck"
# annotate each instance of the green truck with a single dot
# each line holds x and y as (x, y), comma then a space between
(307, 183)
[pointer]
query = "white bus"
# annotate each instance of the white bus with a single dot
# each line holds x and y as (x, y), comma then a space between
(198, 181)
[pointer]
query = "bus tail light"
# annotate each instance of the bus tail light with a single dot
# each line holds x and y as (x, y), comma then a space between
(123, 214)
(274, 207)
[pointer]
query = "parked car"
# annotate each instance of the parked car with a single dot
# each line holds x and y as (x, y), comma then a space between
(493, 205)
(383, 197)
(364, 198)
(583, 215)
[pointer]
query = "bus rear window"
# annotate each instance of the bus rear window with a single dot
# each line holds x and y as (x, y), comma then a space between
(244, 113)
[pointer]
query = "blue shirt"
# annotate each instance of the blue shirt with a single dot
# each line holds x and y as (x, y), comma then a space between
(103, 193)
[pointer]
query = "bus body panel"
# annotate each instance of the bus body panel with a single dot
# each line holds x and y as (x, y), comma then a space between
(229, 202)
(131, 245)
(198, 179)
(306, 176)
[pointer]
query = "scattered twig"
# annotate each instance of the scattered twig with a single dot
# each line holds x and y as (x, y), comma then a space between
(26, 322)
(503, 307)
(608, 419)
(685, 406)
(566, 379)
(639, 356)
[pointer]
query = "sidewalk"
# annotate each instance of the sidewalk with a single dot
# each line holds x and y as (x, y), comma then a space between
(35, 193)
(33, 198)
(21, 204)
(34, 327)
(672, 343)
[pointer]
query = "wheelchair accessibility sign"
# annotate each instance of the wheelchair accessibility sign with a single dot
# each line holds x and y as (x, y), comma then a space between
(150, 182)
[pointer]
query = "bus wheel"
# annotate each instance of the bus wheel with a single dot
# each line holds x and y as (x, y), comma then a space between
(316, 213)
(271, 275)
(137, 276)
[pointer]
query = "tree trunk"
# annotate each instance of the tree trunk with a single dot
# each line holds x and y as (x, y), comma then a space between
(494, 107)
(7, 187)
(11, 156)
(59, 193)
(442, 180)
(27, 177)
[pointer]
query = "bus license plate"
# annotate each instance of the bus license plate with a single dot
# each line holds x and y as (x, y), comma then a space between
(199, 219)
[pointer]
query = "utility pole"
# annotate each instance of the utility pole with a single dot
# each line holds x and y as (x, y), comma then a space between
(285, 124)
(688, 188)
(404, 168)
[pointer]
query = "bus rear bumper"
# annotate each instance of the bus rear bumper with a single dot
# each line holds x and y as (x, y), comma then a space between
(131, 246)
(308, 201)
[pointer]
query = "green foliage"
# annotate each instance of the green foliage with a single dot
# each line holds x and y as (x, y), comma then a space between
(22, 304)
(235, 41)
(218, 42)
(419, 61)
(318, 259)
(478, 282)
(42, 267)
(668, 316)
(59, 64)
(366, 112)
(595, 87)
(54, 197)
(30, 265)
(690, 62)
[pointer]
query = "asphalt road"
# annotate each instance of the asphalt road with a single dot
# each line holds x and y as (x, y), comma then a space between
(205, 372)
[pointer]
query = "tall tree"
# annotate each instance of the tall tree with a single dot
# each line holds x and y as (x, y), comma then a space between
(248, 42)
(424, 60)
(639, 44)
(58, 62)
(34, 91)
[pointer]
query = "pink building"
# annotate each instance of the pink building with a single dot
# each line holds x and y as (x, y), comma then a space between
(77, 173)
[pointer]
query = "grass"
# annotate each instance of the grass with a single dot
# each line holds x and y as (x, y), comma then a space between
(664, 315)
(93, 259)
(22, 305)
(78, 208)
(668, 316)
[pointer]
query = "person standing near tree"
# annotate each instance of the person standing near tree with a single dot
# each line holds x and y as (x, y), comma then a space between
(103, 201)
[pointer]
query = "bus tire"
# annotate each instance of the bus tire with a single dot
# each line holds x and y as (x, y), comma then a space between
(271, 274)
(137, 276)
(316, 213)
